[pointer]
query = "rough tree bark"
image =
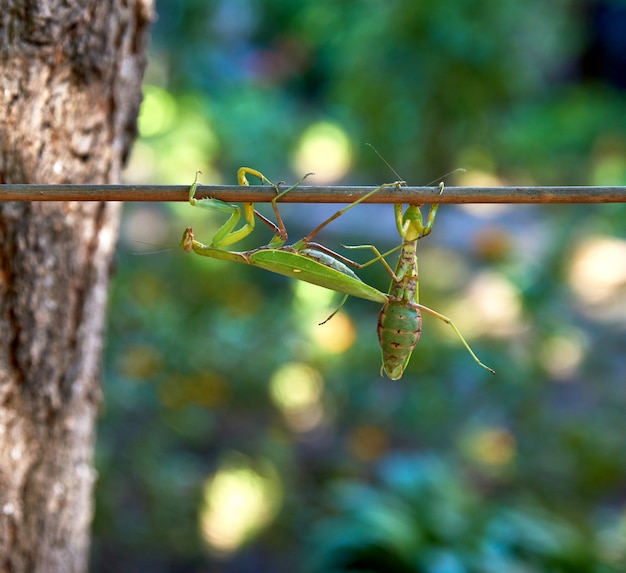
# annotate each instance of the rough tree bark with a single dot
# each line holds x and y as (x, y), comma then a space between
(70, 78)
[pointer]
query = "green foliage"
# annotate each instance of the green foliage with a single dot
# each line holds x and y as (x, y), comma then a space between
(420, 515)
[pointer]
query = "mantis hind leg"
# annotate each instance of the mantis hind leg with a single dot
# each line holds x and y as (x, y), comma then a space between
(457, 331)
(317, 229)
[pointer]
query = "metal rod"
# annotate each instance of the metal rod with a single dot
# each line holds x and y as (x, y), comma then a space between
(315, 194)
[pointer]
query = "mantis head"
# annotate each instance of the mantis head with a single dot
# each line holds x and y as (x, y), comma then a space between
(186, 241)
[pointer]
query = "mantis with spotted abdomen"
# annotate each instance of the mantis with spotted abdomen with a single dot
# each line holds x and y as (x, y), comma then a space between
(400, 319)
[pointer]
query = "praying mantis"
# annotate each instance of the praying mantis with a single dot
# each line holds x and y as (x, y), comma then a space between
(304, 260)
(399, 322)
(400, 319)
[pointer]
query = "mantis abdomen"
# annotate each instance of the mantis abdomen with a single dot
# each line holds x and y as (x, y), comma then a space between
(399, 329)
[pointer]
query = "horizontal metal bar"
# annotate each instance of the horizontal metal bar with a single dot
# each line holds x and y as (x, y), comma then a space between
(315, 194)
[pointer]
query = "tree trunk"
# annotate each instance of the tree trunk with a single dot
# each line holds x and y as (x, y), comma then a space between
(70, 79)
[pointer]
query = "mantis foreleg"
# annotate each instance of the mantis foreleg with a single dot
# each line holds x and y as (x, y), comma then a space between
(226, 235)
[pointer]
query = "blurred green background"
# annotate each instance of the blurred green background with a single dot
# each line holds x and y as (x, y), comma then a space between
(237, 435)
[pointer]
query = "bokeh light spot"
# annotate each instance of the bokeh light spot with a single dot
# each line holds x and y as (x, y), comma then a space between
(336, 335)
(491, 306)
(314, 304)
(157, 113)
(562, 354)
(597, 274)
(238, 501)
(296, 389)
(493, 446)
(324, 149)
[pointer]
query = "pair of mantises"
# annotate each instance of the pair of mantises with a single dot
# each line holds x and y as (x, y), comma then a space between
(399, 321)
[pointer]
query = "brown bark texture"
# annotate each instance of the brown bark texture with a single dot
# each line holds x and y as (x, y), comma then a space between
(70, 89)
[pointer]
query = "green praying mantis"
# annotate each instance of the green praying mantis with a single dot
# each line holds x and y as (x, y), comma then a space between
(400, 319)
(399, 323)
(304, 260)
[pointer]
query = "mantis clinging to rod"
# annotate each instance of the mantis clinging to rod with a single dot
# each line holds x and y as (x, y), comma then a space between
(400, 319)
(304, 260)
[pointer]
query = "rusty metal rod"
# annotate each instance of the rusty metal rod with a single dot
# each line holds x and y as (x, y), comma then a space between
(315, 194)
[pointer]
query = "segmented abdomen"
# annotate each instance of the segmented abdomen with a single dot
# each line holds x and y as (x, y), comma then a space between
(399, 328)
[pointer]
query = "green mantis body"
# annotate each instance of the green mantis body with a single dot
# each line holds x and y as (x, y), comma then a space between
(303, 260)
(400, 319)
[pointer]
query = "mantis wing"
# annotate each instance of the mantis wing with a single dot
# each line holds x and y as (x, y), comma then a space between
(309, 269)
